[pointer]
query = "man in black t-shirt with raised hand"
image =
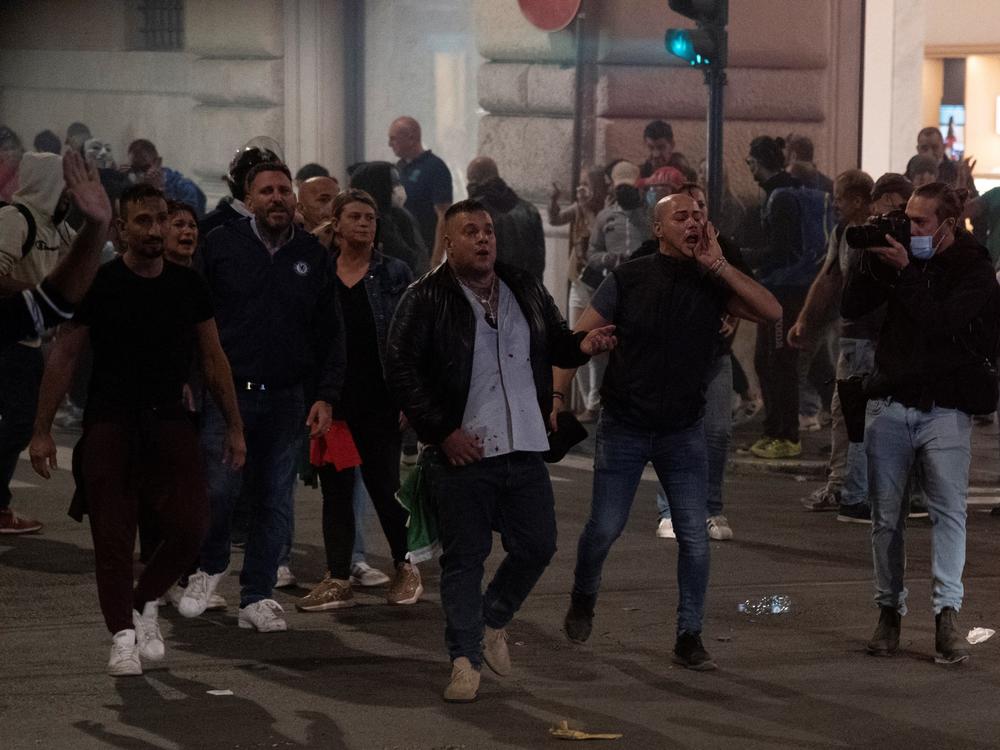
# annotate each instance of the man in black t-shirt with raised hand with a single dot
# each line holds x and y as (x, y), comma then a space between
(666, 309)
(142, 317)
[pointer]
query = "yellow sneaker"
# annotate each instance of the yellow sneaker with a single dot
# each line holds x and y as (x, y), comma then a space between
(777, 449)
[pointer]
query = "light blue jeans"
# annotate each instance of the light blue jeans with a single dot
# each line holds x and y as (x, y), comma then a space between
(362, 509)
(718, 422)
(938, 442)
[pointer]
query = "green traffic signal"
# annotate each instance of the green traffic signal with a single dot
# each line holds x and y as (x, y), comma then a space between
(691, 45)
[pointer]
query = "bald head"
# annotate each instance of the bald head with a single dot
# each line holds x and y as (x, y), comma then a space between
(405, 138)
(316, 200)
(481, 169)
(678, 225)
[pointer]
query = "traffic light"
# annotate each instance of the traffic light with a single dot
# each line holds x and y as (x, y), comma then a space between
(695, 46)
(708, 12)
(705, 45)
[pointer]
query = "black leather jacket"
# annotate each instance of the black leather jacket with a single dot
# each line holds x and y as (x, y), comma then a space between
(428, 364)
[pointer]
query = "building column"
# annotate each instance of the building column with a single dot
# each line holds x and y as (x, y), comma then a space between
(893, 77)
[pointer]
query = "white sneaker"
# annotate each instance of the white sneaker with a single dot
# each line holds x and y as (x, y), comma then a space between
(665, 529)
(363, 574)
(148, 637)
(201, 586)
(176, 592)
(285, 578)
(124, 658)
(264, 616)
(718, 528)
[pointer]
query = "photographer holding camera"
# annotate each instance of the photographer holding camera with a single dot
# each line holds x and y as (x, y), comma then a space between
(934, 368)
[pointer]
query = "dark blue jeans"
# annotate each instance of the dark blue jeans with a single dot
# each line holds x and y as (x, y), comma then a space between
(273, 425)
(681, 464)
(20, 375)
(512, 494)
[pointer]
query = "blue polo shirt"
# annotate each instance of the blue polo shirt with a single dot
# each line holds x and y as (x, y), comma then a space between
(428, 183)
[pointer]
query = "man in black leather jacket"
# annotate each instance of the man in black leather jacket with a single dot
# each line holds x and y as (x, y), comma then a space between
(469, 361)
(934, 368)
(520, 236)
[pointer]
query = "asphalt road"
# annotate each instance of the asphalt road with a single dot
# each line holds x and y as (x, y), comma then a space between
(371, 677)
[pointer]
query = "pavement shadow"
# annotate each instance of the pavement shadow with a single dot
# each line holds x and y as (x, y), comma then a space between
(40, 554)
(182, 712)
(318, 662)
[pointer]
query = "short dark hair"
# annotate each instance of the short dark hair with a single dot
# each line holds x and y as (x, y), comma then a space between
(48, 142)
(769, 152)
(176, 207)
(137, 194)
(930, 130)
(77, 129)
(892, 182)
(352, 195)
(265, 166)
(801, 145)
(310, 170)
(950, 201)
(658, 129)
(857, 183)
(921, 164)
(468, 206)
(9, 140)
(142, 144)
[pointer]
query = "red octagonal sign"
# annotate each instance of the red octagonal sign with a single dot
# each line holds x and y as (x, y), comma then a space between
(550, 15)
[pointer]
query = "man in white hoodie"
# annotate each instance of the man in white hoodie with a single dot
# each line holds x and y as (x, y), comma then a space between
(33, 238)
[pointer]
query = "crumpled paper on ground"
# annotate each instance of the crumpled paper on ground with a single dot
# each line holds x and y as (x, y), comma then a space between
(563, 732)
(978, 635)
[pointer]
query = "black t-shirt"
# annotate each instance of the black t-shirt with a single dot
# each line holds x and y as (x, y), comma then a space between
(365, 395)
(142, 333)
(428, 183)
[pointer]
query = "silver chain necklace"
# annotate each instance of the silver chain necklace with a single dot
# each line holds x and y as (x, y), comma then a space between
(489, 302)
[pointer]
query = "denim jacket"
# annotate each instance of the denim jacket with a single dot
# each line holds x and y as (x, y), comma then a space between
(385, 282)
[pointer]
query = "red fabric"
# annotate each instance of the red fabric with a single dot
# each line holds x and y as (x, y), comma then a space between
(335, 447)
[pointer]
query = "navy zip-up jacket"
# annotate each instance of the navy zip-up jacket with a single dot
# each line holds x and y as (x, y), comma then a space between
(278, 316)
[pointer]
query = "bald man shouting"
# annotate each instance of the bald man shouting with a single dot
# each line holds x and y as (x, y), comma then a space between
(667, 309)
(427, 182)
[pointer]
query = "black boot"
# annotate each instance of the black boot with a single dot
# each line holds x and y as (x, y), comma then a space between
(885, 640)
(580, 617)
(689, 652)
(951, 646)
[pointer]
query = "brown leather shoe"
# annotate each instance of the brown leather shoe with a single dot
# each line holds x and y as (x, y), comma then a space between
(464, 685)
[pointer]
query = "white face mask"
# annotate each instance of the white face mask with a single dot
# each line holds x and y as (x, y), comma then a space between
(398, 195)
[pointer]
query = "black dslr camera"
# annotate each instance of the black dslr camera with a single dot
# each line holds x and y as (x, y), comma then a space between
(872, 234)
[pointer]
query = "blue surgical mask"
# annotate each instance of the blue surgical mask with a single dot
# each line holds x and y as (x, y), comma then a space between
(922, 248)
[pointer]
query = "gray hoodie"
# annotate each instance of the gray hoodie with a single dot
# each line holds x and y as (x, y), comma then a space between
(617, 233)
(42, 184)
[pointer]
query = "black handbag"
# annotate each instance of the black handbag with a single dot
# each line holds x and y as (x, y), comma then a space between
(853, 403)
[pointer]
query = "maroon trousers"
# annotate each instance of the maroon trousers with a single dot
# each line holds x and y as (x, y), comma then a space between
(148, 456)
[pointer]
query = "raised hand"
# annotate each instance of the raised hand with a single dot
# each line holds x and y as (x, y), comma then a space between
(709, 251)
(83, 183)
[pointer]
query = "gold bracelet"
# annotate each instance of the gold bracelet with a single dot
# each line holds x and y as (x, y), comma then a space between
(719, 266)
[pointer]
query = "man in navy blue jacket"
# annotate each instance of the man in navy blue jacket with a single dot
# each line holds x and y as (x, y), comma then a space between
(280, 325)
